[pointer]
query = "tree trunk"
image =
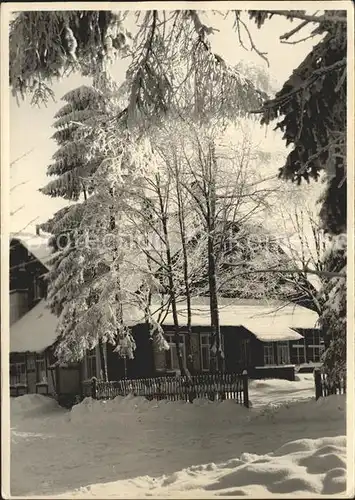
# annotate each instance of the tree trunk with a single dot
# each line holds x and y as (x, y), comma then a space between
(216, 343)
(177, 340)
(103, 361)
(164, 221)
(149, 265)
(181, 213)
(217, 355)
(174, 311)
(115, 255)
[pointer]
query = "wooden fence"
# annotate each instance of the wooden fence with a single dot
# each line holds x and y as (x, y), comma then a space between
(325, 387)
(219, 386)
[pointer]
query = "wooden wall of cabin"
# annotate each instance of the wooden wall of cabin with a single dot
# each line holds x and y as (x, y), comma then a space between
(19, 304)
(52, 383)
(69, 379)
(197, 332)
(311, 336)
(148, 361)
(233, 349)
(24, 267)
(31, 381)
(19, 257)
(232, 338)
(257, 352)
(143, 363)
(160, 355)
(159, 359)
(298, 353)
(196, 350)
(31, 372)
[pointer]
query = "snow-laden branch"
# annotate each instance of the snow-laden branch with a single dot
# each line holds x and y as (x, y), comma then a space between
(252, 44)
(307, 17)
(300, 88)
(306, 270)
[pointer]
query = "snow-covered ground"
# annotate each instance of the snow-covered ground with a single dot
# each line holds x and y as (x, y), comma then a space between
(132, 448)
(274, 391)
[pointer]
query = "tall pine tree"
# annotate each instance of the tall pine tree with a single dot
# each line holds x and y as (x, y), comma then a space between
(90, 286)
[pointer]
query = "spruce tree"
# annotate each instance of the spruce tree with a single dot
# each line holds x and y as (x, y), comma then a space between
(310, 110)
(84, 280)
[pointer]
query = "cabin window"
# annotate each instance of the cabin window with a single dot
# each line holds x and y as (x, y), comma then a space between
(18, 372)
(41, 369)
(246, 352)
(298, 352)
(269, 354)
(91, 370)
(205, 352)
(31, 364)
(316, 347)
(283, 353)
(171, 359)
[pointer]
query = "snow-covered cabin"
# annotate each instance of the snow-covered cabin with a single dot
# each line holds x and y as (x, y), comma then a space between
(29, 338)
(32, 325)
(268, 338)
(29, 255)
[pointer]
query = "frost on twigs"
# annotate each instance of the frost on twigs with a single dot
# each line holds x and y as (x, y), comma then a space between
(96, 272)
(171, 63)
(46, 45)
(157, 335)
(125, 344)
(310, 111)
(174, 67)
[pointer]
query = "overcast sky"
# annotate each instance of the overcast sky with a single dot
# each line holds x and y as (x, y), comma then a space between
(31, 128)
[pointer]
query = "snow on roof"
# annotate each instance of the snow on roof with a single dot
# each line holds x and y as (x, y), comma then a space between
(268, 321)
(273, 332)
(35, 331)
(37, 245)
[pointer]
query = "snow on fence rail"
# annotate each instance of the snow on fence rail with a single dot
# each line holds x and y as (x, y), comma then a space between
(325, 386)
(219, 386)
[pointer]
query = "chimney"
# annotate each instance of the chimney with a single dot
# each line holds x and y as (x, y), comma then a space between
(37, 229)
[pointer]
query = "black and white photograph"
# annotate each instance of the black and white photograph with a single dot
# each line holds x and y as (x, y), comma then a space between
(176, 220)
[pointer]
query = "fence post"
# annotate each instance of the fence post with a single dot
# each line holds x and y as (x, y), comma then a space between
(191, 393)
(94, 387)
(317, 383)
(245, 389)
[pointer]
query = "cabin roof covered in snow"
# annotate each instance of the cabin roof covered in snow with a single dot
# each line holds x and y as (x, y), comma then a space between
(36, 244)
(268, 321)
(35, 331)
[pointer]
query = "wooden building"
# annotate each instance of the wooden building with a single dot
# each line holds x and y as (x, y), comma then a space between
(32, 326)
(257, 336)
(266, 338)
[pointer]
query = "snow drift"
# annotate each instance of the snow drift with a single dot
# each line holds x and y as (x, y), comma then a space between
(131, 447)
(302, 467)
(32, 405)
